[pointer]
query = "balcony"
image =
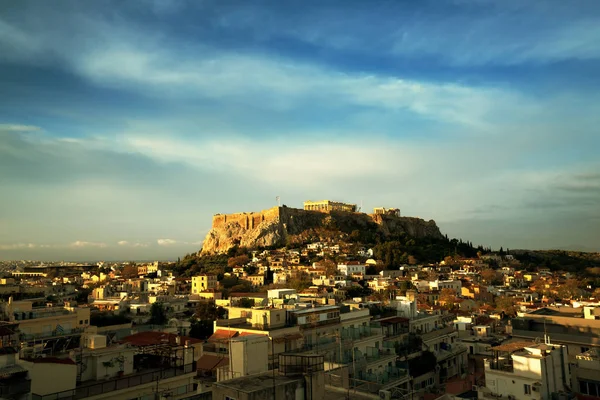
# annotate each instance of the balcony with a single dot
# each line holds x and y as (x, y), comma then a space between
(99, 388)
(51, 334)
(374, 382)
(450, 350)
(359, 333)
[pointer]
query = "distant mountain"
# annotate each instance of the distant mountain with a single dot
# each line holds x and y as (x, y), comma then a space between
(566, 260)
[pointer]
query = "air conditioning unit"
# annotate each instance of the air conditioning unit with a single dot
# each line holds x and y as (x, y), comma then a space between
(385, 395)
(535, 388)
(474, 388)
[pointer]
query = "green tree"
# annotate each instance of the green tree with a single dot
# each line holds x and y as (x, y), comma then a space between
(246, 303)
(201, 329)
(158, 314)
(207, 310)
(508, 305)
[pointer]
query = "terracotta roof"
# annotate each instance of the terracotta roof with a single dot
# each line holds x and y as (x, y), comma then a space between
(512, 347)
(208, 362)
(222, 335)
(152, 338)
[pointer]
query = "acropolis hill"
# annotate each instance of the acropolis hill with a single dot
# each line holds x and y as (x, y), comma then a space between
(279, 226)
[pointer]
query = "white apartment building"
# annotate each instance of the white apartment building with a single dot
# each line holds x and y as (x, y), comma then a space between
(526, 370)
(351, 267)
(454, 285)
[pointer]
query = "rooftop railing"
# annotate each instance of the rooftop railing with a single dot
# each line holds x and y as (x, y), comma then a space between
(98, 388)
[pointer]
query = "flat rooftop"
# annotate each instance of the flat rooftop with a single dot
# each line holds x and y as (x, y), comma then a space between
(559, 312)
(259, 382)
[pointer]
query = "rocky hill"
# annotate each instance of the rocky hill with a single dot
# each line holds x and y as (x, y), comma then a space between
(281, 226)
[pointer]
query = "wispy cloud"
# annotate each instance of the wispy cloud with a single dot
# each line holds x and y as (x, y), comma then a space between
(126, 243)
(18, 128)
(166, 242)
(81, 244)
(459, 33)
(18, 246)
(409, 104)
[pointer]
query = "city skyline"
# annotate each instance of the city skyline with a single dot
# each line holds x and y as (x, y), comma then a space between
(126, 126)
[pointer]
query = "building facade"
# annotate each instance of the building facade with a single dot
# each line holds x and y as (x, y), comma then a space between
(204, 282)
(328, 205)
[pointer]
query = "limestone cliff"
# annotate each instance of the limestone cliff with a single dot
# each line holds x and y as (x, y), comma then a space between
(283, 225)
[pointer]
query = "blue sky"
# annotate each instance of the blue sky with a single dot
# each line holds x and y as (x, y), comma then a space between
(124, 126)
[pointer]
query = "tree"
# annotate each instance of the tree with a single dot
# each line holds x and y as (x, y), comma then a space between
(447, 298)
(490, 276)
(357, 291)
(238, 261)
(158, 314)
(246, 303)
(250, 269)
(201, 329)
(371, 270)
(569, 289)
(82, 296)
(508, 305)
(207, 310)
(330, 267)
(423, 364)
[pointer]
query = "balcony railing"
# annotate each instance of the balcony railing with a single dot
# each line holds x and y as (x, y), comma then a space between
(51, 334)
(15, 387)
(96, 389)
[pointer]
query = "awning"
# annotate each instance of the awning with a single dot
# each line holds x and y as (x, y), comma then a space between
(209, 362)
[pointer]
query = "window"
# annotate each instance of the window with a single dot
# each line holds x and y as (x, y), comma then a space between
(589, 388)
(80, 322)
(229, 398)
(527, 389)
(584, 349)
(86, 321)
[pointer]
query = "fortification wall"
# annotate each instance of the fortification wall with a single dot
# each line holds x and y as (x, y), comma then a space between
(246, 220)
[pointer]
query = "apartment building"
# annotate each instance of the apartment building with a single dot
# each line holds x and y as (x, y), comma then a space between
(145, 367)
(15, 381)
(351, 267)
(203, 282)
(526, 370)
(41, 328)
(576, 328)
(585, 378)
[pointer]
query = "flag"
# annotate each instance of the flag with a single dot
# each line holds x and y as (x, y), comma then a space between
(59, 330)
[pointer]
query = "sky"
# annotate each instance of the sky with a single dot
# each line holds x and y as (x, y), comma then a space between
(124, 126)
